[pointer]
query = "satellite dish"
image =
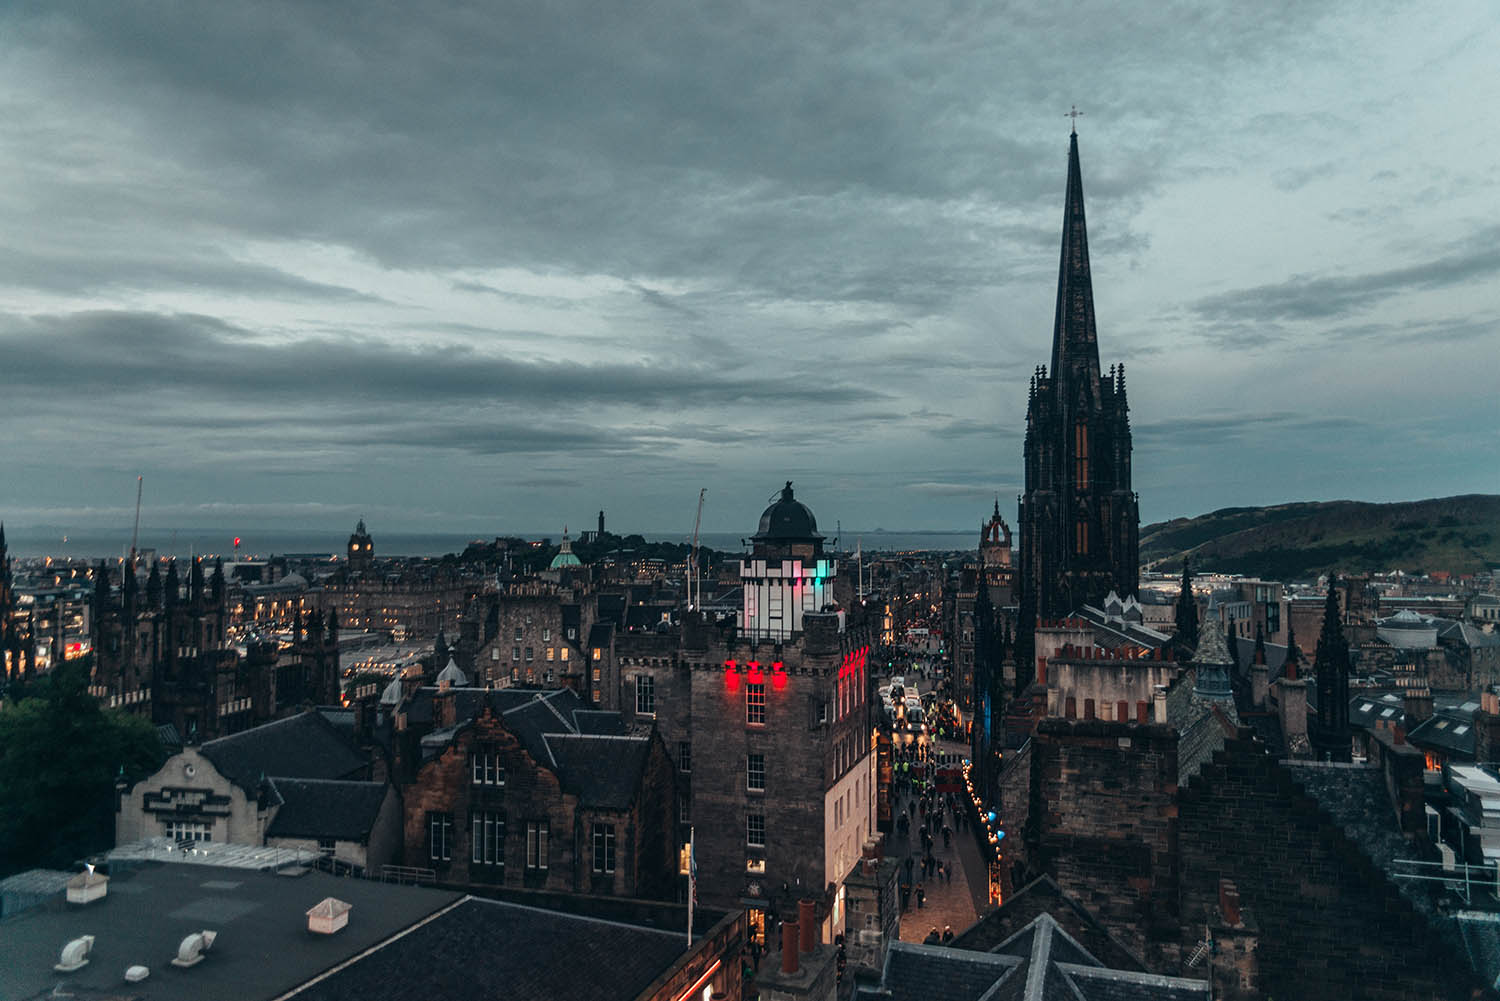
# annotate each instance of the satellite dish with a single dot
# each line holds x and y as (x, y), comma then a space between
(190, 952)
(75, 955)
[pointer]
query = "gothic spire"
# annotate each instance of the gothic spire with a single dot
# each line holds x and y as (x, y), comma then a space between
(1075, 342)
(1187, 611)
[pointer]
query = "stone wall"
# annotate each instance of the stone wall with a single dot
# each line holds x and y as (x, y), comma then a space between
(1103, 824)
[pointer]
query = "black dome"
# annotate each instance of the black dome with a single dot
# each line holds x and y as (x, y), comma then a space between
(788, 520)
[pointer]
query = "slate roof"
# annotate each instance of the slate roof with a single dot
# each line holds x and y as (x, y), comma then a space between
(598, 722)
(1039, 962)
(603, 772)
(1043, 896)
(305, 746)
(1446, 730)
(546, 955)
(326, 808)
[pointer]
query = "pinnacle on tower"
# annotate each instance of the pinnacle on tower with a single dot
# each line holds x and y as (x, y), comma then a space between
(1187, 610)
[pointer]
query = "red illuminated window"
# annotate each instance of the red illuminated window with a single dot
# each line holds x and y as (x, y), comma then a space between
(755, 703)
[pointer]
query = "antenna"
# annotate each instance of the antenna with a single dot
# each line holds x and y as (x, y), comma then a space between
(140, 482)
(692, 574)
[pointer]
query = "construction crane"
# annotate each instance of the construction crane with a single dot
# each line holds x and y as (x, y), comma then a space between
(135, 533)
(692, 574)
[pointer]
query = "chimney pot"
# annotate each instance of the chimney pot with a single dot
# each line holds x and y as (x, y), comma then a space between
(807, 919)
(789, 948)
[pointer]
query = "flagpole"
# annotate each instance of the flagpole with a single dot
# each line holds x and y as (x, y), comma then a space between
(692, 885)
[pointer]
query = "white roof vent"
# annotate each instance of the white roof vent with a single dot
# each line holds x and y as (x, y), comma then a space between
(135, 974)
(75, 955)
(328, 916)
(190, 952)
(87, 886)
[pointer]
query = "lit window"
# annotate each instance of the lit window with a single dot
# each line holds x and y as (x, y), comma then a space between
(536, 844)
(487, 838)
(598, 653)
(564, 652)
(645, 694)
(439, 836)
(755, 773)
(597, 674)
(550, 652)
(604, 848)
(755, 830)
(755, 703)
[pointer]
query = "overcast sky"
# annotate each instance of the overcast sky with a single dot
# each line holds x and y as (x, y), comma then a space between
(491, 267)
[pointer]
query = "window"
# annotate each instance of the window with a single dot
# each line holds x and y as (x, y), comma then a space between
(439, 836)
(598, 674)
(515, 655)
(326, 847)
(487, 838)
(684, 756)
(546, 633)
(755, 703)
(1081, 537)
(494, 653)
(536, 844)
(563, 651)
(755, 773)
(598, 653)
(1081, 455)
(604, 848)
(645, 694)
(486, 768)
(187, 830)
(528, 655)
(684, 809)
(518, 632)
(550, 652)
(755, 830)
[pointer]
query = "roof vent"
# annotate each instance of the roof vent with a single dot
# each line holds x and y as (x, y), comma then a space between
(328, 916)
(190, 952)
(87, 886)
(135, 974)
(75, 955)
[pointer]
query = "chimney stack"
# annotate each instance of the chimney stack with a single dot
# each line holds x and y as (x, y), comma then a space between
(1418, 706)
(789, 948)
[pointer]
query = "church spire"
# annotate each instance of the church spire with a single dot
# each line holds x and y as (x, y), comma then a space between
(1075, 342)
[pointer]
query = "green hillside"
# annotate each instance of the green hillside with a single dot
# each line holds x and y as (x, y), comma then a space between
(1293, 541)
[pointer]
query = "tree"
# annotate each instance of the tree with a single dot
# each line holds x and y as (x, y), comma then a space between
(60, 755)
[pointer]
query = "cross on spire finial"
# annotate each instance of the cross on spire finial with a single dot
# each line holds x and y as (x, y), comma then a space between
(1074, 115)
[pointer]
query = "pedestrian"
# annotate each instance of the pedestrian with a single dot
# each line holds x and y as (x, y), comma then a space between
(942, 872)
(947, 837)
(947, 934)
(933, 938)
(906, 893)
(921, 897)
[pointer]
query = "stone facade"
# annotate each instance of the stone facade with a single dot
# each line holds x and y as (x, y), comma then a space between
(474, 812)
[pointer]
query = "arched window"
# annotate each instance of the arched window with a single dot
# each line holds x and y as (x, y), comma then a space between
(1081, 455)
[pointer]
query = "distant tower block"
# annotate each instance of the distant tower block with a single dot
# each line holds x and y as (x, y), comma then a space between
(361, 548)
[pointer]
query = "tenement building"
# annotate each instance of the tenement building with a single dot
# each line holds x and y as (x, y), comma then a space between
(1079, 521)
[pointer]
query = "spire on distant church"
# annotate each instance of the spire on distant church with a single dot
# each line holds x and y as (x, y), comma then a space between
(1075, 342)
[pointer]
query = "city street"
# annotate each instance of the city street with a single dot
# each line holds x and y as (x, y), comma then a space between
(956, 901)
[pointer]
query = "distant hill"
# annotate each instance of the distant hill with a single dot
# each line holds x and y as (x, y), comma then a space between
(1297, 541)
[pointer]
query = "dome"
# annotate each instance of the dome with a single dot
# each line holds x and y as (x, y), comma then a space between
(392, 694)
(787, 520)
(452, 675)
(565, 556)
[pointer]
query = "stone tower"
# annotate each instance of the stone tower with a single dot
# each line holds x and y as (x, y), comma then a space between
(1079, 521)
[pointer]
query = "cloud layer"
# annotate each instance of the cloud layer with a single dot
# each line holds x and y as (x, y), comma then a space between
(490, 268)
